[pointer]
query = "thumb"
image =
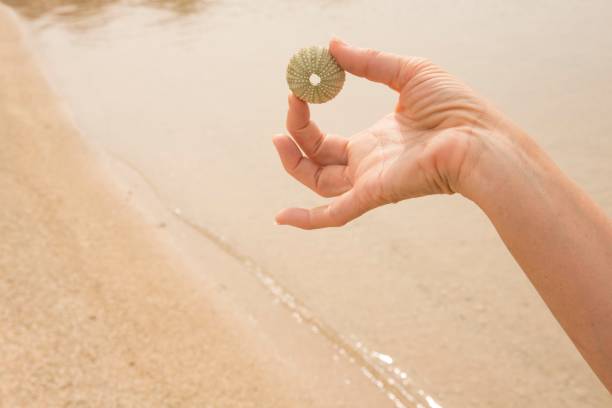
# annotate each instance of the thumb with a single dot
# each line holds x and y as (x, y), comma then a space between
(390, 69)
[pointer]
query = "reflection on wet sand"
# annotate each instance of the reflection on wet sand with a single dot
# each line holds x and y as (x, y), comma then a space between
(72, 11)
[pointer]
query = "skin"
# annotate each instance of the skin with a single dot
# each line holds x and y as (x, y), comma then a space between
(442, 138)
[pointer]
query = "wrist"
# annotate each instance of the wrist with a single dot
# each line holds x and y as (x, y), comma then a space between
(503, 163)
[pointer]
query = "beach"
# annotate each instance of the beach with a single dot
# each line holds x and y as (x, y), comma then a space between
(98, 308)
(139, 262)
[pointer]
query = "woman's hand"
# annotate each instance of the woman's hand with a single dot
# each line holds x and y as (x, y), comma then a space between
(443, 139)
(430, 144)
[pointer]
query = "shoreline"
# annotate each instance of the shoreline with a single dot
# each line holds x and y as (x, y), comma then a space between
(94, 308)
(101, 298)
(168, 221)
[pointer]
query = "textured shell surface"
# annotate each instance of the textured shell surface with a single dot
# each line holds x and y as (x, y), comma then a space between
(317, 61)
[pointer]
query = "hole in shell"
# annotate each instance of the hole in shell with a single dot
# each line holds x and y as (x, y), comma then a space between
(314, 79)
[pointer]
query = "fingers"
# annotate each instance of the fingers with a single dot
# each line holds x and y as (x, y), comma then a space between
(392, 70)
(328, 181)
(338, 212)
(319, 147)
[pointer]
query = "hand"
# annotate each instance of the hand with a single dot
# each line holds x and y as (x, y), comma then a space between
(429, 145)
(443, 139)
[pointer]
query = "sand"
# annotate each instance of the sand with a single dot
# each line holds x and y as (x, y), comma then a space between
(96, 307)
(93, 310)
(176, 110)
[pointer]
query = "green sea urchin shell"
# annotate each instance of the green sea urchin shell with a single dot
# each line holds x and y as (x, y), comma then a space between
(318, 63)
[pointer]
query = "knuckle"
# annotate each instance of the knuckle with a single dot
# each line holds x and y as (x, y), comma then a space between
(317, 146)
(293, 168)
(422, 62)
(318, 179)
(371, 53)
(333, 213)
(336, 220)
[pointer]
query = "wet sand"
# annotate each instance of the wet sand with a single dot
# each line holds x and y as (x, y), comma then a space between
(426, 284)
(97, 305)
(94, 310)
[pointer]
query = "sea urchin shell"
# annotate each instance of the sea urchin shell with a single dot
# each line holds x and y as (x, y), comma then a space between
(314, 76)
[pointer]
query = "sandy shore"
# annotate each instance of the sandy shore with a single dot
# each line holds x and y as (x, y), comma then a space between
(92, 307)
(157, 217)
(97, 306)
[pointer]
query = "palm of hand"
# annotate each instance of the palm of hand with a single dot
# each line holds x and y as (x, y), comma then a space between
(420, 149)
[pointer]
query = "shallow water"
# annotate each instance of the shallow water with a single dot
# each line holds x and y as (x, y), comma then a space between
(188, 93)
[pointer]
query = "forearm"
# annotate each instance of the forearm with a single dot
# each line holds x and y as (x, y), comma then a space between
(557, 234)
